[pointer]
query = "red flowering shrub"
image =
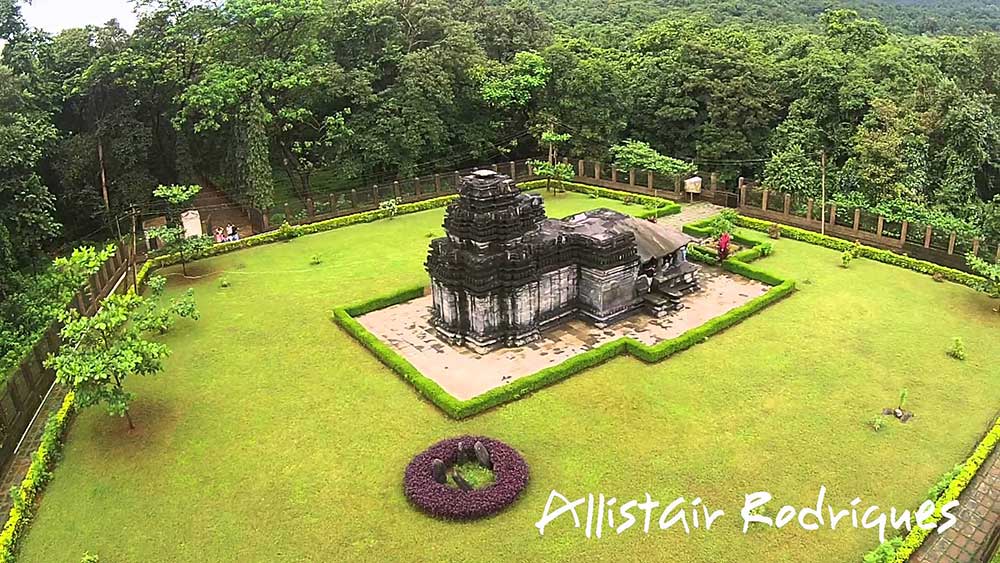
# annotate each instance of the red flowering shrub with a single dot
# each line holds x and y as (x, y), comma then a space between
(509, 469)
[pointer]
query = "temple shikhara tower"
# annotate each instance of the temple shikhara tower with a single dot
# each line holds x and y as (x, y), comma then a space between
(505, 272)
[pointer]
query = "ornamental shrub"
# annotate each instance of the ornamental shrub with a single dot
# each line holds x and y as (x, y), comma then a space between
(845, 258)
(509, 469)
(957, 349)
(944, 481)
(877, 422)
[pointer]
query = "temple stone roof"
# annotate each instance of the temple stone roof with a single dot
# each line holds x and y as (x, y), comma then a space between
(653, 240)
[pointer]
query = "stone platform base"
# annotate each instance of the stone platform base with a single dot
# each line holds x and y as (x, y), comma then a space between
(465, 374)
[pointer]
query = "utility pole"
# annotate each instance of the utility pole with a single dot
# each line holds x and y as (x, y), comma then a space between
(822, 228)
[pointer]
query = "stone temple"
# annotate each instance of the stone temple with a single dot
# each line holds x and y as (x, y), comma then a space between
(505, 272)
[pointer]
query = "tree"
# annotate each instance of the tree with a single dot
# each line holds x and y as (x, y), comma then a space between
(559, 172)
(99, 353)
(173, 235)
(639, 155)
(513, 85)
(990, 271)
(27, 206)
(792, 171)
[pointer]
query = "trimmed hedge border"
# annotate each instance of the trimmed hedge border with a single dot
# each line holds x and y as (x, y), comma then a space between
(43, 461)
(39, 473)
(870, 252)
(917, 536)
(291, 232)
(437, 499)
(655, 206)
(517, 389)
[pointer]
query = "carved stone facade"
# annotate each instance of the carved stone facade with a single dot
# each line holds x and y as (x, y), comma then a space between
(505, 272)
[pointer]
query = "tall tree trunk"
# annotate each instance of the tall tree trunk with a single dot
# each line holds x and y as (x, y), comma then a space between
(104, 176)
(128, 417)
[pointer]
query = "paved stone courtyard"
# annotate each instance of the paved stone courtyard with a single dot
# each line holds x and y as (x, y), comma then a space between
(466, 374)
(978, 517)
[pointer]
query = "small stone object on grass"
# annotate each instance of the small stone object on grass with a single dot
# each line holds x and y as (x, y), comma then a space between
(463, 454)
(439, 471)
(483, 455)
(460, 481)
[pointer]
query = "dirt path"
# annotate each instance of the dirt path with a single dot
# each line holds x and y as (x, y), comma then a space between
(218, 210)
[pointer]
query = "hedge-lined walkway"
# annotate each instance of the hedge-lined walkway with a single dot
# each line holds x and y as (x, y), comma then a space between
(978, 517)
(18, 468)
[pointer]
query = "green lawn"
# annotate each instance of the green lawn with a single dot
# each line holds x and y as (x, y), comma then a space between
(273, 436)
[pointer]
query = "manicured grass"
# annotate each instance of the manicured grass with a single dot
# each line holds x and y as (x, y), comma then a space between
(273, 436)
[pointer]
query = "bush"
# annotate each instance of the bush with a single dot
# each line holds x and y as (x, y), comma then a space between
(884, 256)
(945, 480)
(845, 259)
(288, 232)
(916, 537)
(224, 283)
(774, 231)
(877, 422)
(438, 499)
(315, 260)
(957, 349)
(39, 472)
(525, 385)
(654, 206)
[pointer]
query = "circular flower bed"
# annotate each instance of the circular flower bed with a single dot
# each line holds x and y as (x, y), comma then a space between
(438, 499)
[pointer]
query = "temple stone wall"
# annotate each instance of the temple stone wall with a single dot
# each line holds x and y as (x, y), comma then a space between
(557, 290)
(606, 294)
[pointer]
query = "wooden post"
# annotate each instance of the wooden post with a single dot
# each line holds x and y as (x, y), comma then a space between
(375, 194)
(614, 174)
(597, 170)
(354, 198)
(902, 234)
(288, 213)
(742, 187)
(457, 181)
(333, 203)
(18, 403)
(631, 177)
(927, 237)
(310, 207)
(809, 210)
(494, 167)
(581, 168)
(419, 191)
(678, 185)
(437, 183)
(975, 246)
(881, 223)
(833, 213)
(857, 219)
(649, 182)
(95, 290)
(763, 200)
(788, 204)
(714, 182)
(513, 170)
(396, 193)
(951, 244)
(998, 252)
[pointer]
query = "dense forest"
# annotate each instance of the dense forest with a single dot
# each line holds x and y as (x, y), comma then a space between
(900, 97)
